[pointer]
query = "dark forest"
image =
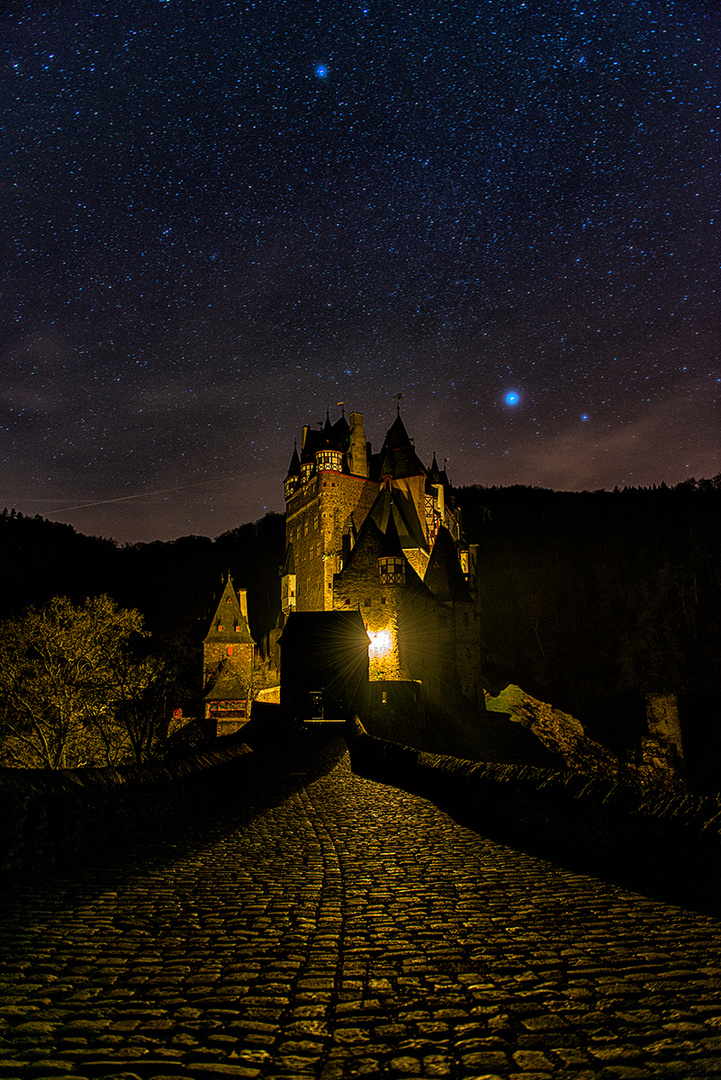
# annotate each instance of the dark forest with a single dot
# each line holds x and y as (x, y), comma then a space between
(588, 600)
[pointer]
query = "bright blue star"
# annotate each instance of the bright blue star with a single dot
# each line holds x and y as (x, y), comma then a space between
(585, 416)
(321, 71)
(512, 397)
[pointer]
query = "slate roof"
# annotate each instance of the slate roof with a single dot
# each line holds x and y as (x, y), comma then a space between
(294, 467)
(401, 509)
(322, 627)
(228, 684)
(398, 457)
(229, 615)
(444, 576)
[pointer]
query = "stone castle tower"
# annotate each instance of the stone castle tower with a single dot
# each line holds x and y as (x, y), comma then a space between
(228, 651)
(380, 534)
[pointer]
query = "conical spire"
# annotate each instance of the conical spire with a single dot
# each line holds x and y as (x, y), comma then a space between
(294, 467)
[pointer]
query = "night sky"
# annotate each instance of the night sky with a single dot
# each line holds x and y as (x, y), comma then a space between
(219, 219)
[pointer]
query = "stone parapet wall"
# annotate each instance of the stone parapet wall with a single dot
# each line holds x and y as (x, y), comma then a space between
(54, 818)
(661, 843)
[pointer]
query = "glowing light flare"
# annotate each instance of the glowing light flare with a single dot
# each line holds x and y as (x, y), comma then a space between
(381, 642)
(512, 398)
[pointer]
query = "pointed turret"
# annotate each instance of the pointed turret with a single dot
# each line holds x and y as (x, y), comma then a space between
(404, 458)
(228, 652)
(294, 467)
(230, 622)
(292, 480)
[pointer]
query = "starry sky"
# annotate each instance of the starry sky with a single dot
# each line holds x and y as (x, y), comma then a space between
(219, 219)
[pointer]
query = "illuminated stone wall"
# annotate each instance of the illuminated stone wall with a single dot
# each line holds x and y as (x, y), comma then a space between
(317, 516)
(428, 639)
(401, 620)
(241, 658)
(467, 648)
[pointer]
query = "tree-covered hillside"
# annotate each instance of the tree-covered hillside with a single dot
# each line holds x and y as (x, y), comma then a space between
(589, 600)
(174, 585)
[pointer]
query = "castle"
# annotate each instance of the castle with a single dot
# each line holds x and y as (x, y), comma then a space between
(380, 534)
(377, 588)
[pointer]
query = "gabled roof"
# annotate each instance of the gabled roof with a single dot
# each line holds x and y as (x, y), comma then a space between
(229, 615)
(228, 685)
(444, 576)
(396, 505)
(373, 543)
(391, 544)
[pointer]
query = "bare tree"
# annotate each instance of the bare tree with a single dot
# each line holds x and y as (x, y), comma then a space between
(66, 674)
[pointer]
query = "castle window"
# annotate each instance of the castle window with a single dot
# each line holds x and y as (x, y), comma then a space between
(367, 602)
(230, 650)
(220, 628)
(329, 460)
(392, 571)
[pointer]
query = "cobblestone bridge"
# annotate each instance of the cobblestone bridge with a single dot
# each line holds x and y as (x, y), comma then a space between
(317, 924)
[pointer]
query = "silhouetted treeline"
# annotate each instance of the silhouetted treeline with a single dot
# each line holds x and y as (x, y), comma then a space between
(175, 585)
(592, 599)
(588, 600)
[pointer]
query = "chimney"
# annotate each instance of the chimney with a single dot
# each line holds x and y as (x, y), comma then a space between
(357, 456)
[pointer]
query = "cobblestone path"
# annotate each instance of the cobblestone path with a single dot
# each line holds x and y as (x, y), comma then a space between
(349, 929)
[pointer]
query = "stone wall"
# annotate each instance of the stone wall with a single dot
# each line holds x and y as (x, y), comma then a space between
(317, 516)
(651, 840)
(53, 818)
